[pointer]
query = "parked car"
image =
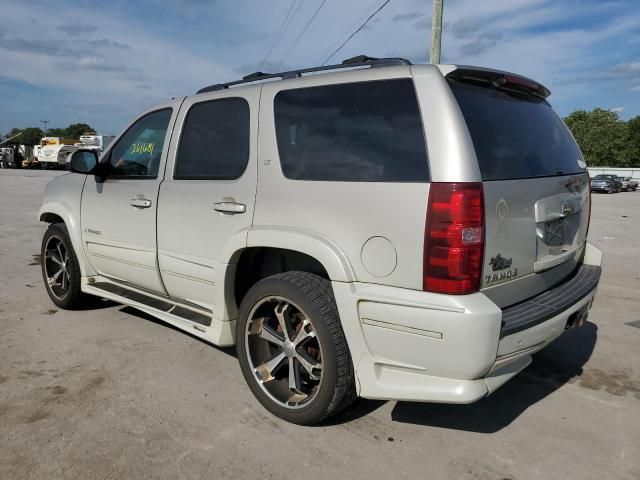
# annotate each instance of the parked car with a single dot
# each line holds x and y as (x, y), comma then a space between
(606, 183)
(288, 218)
(628, 184)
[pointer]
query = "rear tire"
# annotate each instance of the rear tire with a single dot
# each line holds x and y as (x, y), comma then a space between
(274, 314)
(60, 268)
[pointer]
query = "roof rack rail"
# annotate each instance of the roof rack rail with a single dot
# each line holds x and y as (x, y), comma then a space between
(358, 61)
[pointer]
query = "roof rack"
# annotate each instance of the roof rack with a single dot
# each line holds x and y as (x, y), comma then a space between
(359, 61)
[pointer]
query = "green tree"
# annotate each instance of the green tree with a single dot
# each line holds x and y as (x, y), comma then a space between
(76, 129)
(72, 131)
(633, 141)
(33, 135)
(30, 136)
(602, 136)
(56, 132)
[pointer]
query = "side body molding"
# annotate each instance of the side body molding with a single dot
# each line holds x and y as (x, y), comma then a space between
(321, 248)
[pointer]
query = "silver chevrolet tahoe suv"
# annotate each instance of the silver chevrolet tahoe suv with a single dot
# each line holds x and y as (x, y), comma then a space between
(373, 228)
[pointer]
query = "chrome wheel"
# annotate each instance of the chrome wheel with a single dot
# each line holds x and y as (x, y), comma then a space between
(56, 261)
(284, 352)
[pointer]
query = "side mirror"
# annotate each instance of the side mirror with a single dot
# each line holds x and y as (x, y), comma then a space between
(83, 161)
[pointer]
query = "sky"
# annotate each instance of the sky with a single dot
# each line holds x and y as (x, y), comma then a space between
(102, 63)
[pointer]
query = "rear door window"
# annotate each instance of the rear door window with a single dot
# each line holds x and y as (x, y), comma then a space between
(516, 135)
(215, 141)
(356, 132)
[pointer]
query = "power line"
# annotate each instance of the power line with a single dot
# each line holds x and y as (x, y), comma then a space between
(283, 28)
(277, 35)
(304, 29)
(45, 126)
(351, 27)
(354, 33)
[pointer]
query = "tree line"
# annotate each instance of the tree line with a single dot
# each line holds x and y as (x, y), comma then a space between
(33, 135)
(604, 138)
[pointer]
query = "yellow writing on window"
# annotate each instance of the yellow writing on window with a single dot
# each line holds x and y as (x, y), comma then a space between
(138, 148)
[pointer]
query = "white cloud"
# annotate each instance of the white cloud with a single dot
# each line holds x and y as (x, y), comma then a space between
(617, 109)
(116, 65)
(94, 77)
(636, 88)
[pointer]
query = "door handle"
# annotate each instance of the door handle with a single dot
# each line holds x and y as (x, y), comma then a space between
(230, 207)
(140, 202)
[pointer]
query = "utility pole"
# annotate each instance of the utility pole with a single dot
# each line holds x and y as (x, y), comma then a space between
(45, 126)
(436, 32)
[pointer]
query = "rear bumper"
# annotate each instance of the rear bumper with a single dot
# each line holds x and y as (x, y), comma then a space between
(553, 302)
(419, 346)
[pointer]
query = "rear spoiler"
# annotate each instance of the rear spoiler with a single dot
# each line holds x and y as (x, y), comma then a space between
(496, 78)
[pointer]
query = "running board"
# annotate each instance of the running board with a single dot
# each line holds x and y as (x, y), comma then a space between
(166, 306)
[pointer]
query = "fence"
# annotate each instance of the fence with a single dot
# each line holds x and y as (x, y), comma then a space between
(621, 172)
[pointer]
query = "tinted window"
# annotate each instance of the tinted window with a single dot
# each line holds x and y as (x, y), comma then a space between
(358, 132)
(215, 140)
(139, 150)
(516, 135)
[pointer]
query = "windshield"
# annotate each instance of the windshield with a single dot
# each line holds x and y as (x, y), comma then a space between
(516, 135)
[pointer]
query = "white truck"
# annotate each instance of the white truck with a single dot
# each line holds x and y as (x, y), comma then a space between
(54, 152)
(95, 142)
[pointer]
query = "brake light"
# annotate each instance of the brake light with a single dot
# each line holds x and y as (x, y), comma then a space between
(521, 83)
(454, 238)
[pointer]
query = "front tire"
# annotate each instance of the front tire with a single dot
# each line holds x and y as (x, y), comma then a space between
(60, 268)
(292, 349)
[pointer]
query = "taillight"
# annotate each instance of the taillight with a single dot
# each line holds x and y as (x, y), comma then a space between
(454, 238)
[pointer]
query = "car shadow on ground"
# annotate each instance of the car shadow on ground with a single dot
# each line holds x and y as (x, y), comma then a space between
(96, 303)
(551, 368)
(231, 351)
(360, 408)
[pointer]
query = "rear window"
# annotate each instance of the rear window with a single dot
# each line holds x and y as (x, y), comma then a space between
(356, 132)
(516, 135)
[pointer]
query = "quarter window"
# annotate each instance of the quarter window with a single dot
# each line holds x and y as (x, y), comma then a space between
(139, 150)
(215, 141)
(356, 132)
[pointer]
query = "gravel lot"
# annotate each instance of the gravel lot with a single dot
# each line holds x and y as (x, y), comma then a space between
(112, 393)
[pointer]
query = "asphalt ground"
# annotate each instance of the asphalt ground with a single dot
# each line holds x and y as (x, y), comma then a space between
(112, 393)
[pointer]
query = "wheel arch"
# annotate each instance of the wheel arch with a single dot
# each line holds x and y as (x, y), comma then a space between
(55, 212)
(276, 250)
(323, 249)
